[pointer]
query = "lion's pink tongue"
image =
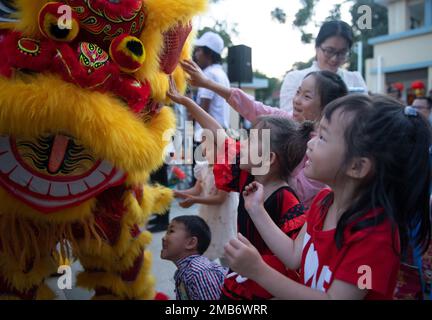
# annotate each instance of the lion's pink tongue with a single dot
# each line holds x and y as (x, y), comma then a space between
(58, 152)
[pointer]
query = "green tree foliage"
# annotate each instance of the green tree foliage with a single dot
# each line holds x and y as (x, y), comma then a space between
(303, 17)
(266, 95)
(279, 15)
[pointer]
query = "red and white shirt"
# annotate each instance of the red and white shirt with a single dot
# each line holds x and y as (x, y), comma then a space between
(368, 258)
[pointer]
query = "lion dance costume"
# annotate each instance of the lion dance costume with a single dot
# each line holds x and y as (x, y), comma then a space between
(82, 126)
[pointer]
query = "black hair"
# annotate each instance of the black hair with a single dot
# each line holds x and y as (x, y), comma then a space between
(398, 146)
(428, 100)
(333, 29)
(288, 140)
(215, 57)
(329, 86)
(196, 227)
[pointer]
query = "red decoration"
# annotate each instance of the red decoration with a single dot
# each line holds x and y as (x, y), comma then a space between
(128, 52)
(398, 86)
(174, 40)
(24, 53)
(161, 296)
(419, 88)
(179, 173)
(87, 66)
(418, 85)
(49, 18)
(101, 21)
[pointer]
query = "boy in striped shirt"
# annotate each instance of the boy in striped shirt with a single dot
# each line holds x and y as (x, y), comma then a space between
(196, 278)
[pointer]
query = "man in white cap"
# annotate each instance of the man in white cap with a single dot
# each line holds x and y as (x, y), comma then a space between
(207, 55)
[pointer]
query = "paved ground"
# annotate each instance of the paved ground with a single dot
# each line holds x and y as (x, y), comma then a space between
(162, 270)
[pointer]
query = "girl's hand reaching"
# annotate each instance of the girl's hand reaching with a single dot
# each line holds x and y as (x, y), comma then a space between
(254, 197)
(173, 93)
(243, 257)
(197, 77)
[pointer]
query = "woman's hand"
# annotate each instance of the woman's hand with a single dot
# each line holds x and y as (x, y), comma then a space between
(243, 257)
(254, 197)
(173, 93)
(197, 77)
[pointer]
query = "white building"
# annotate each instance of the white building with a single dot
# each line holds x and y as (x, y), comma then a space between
(405, 54)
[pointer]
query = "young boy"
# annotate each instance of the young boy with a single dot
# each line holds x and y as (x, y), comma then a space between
(196, 278)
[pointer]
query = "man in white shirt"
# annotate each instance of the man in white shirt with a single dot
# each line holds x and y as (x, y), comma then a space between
(207, 55)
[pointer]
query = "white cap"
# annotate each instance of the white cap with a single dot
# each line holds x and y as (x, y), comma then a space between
(211, 40)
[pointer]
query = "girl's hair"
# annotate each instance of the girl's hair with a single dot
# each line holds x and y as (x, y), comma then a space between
(288, 140)
(397, 142)
(329, 86)
(335, 28)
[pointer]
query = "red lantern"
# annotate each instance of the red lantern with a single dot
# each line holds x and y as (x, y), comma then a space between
(398, 86)
(419, 88)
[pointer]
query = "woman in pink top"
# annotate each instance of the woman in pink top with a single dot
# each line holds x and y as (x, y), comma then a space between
(315, 92)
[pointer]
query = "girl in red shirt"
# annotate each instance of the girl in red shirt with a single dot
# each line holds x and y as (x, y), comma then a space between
(236, 167)
(373, 154)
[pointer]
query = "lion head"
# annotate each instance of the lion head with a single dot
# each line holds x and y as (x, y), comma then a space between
(81, 107)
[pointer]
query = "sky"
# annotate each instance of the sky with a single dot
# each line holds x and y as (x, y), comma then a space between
(275, 46)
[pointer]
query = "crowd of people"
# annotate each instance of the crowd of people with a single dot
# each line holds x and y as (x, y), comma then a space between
(343, 209)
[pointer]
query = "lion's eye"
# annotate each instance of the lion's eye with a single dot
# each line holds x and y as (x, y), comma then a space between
(61, 26)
